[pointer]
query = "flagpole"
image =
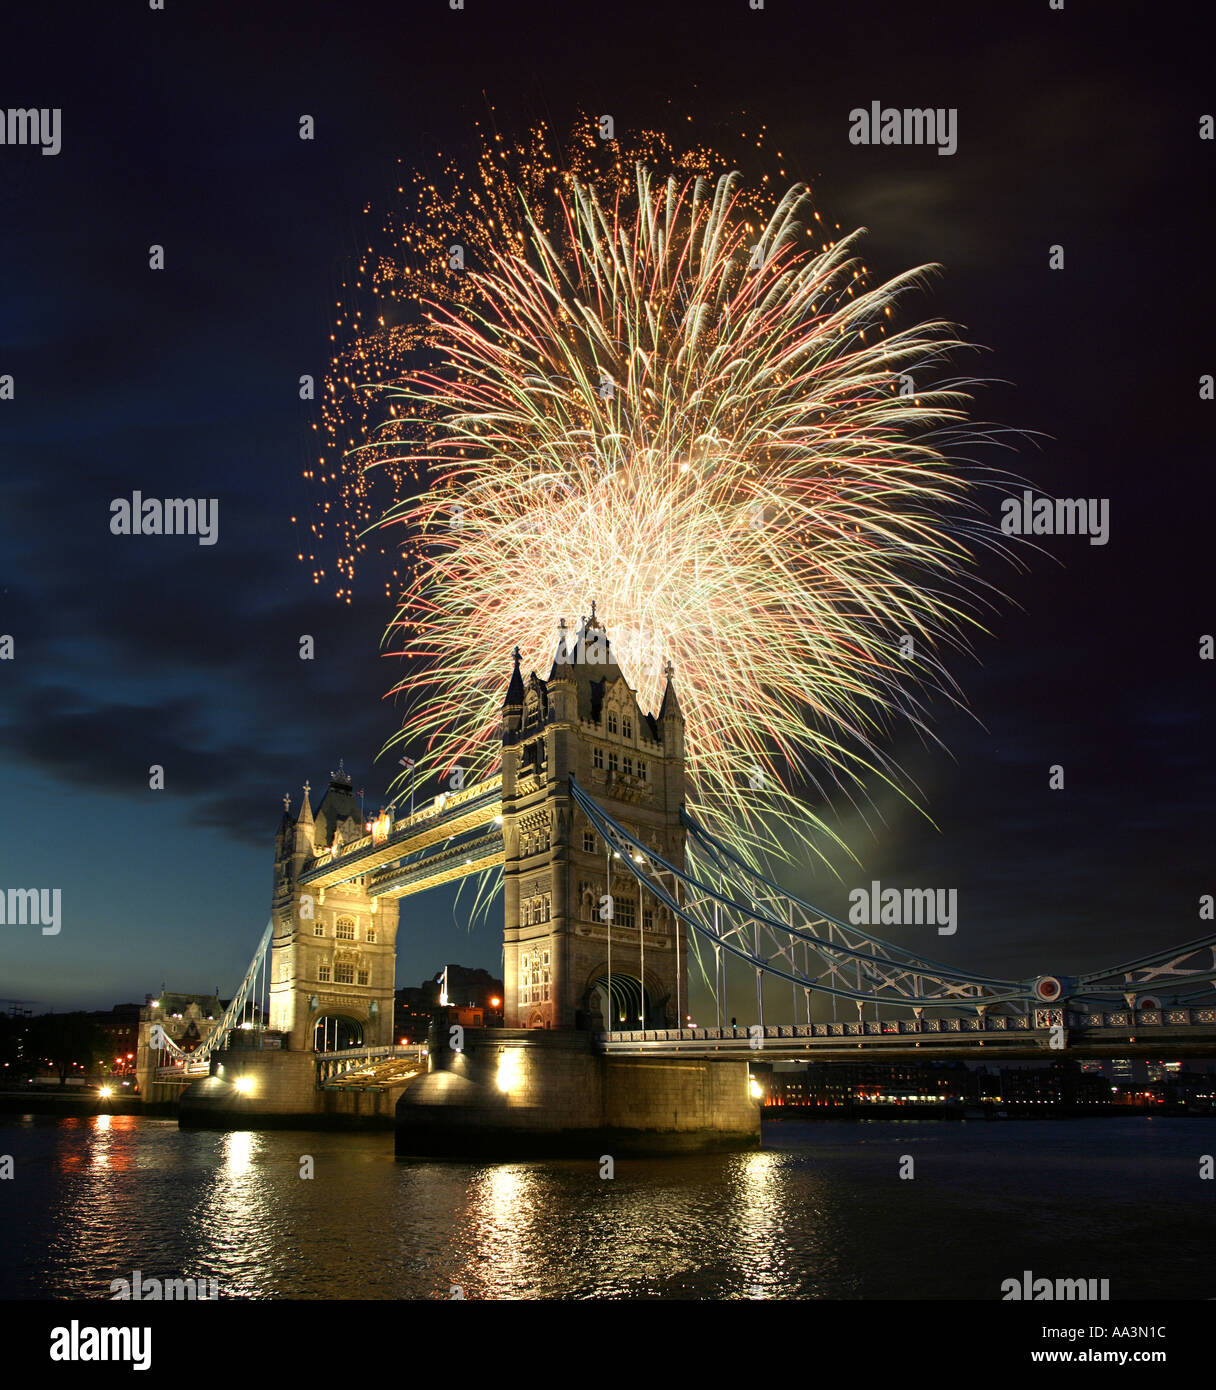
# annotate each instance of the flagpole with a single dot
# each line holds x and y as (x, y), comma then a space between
(412, 765)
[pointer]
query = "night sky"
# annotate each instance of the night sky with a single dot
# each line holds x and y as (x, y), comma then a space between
(1078, 128)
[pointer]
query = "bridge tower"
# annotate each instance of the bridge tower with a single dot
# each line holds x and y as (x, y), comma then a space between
(566, 964)
(333, 951)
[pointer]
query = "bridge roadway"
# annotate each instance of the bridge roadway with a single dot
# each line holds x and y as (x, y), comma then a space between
(358, 1068)
(451, 815)
(1174, 1032)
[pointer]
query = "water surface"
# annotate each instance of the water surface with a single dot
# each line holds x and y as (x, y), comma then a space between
(820, 1212)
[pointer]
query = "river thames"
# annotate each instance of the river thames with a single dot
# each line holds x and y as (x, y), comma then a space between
(820, 1212)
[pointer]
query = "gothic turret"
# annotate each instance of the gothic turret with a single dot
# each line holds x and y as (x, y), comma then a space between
(338, 812)
(670, 708)
(513, 705)
(304, 827)
(671, 717)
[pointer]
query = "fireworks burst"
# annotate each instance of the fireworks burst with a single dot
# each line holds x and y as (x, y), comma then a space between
(648, 394)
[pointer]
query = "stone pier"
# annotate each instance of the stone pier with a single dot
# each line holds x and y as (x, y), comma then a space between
(528, 1092)
(278, 1090)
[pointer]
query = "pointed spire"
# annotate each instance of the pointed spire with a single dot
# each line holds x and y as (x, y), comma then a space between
(562, 655)
(515, 690)
(670, 708)
(305, 816)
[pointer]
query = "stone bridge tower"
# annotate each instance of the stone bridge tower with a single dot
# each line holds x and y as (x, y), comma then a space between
(333, 950)
(584, 719)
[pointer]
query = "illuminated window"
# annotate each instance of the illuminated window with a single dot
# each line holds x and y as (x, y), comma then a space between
(344, 929)
(344, 974)
(323, 973)
(530, 977)
(588, 841)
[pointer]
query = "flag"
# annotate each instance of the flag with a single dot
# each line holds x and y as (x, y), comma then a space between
(406, 762)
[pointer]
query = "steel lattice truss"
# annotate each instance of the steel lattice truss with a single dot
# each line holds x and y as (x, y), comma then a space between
(1191, 964)
(739, 912)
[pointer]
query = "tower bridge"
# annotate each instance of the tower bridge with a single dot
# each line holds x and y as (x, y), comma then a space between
(609, 884)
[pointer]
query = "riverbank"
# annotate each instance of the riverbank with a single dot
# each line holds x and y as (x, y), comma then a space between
(815, 1114)
(77, 1102)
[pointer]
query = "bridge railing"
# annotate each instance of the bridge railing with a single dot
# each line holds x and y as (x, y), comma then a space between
(1039, 1020)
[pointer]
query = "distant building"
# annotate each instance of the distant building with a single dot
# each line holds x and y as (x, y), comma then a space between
(188, 1019)
(121, 1026)
(475, 1000)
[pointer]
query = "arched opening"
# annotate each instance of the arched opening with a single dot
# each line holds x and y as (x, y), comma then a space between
(333, 1033)
(629, 1006)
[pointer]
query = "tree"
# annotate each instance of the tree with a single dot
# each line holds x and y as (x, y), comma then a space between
(67, 1040)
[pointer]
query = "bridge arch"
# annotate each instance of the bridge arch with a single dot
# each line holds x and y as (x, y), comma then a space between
(333, 1032)
(630, 1006)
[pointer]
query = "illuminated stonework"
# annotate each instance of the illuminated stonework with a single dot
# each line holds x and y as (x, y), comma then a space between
(585, 719)
(333, 953)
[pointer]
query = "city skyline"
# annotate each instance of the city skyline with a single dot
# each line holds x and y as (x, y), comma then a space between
(133, 652)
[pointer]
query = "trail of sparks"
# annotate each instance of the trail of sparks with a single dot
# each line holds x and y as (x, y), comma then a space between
(648, 394)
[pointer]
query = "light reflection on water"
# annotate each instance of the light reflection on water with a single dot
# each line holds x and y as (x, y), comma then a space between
(821, 1212)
